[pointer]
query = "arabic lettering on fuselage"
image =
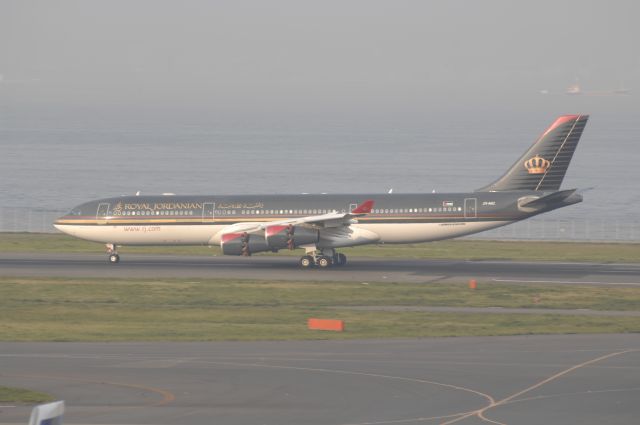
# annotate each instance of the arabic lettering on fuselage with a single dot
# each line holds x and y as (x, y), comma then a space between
(152, 206)
(239, 205)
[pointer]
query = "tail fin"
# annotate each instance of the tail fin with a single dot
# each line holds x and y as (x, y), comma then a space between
(544, 165)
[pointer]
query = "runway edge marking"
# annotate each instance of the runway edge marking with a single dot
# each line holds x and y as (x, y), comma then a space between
(568, 282)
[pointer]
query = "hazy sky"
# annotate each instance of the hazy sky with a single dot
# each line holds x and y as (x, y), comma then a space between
(246, 57)
(163, 95)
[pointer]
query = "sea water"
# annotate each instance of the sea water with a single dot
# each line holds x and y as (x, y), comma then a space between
(50, 162)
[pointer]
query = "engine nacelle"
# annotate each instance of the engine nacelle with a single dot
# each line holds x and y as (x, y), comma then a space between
(242, 244)
(290, 237)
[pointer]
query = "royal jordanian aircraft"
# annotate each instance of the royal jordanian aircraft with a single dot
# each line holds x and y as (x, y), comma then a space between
(247, 224)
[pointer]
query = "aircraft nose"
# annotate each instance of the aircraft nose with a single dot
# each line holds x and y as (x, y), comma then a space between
(59, 224)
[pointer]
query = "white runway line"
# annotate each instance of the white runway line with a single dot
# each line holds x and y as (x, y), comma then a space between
(569, 282)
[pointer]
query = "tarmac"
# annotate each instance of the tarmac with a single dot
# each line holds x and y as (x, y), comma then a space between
(586, 379)
(555, 379)
(286, 268)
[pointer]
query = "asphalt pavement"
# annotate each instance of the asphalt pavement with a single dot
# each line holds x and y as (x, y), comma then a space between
(555, 379)
(286, 268)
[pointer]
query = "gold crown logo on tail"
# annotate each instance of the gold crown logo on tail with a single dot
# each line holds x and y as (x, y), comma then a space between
(537, 165)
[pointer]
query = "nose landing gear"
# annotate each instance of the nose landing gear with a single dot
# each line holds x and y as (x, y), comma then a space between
(112, 252)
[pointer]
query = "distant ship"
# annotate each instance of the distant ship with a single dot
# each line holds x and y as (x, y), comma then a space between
(623, 92)
(573, 89)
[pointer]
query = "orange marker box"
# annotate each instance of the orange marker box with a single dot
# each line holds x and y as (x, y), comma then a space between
(326, 325)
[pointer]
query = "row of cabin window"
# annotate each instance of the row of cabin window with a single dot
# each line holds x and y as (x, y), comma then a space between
(148, 212)
(320, 211)
(282, 212)
(415, 210)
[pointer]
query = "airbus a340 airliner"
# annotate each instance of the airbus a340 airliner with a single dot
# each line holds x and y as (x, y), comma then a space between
(247, 224)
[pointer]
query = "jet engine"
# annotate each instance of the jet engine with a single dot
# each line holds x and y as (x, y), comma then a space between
(290, 237)
(243, 244)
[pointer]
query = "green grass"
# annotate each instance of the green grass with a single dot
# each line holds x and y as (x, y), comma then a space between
(40, 309)
(22, 396)
(461, 249)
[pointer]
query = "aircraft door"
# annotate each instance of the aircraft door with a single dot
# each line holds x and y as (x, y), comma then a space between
(208, 212)
(102, 213)
(471, 208)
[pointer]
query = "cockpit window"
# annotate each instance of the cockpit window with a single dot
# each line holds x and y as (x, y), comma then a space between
(75, 211)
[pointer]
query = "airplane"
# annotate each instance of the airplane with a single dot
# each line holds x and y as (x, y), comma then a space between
(321, 224)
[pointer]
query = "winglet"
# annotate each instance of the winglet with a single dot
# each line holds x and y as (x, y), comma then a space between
(364, 208)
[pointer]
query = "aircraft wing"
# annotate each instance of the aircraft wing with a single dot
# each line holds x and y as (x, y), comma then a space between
(332, 219)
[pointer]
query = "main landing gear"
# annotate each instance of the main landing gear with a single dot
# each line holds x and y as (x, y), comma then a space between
(323, 259)
(112, 252)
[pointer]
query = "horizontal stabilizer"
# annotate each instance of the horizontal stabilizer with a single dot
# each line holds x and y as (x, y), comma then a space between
(567, 197)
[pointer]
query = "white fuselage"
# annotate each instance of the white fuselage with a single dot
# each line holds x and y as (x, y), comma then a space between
(149, 234)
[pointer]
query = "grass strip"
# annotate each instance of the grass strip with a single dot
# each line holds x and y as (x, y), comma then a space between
(58, 309)
(23, 396)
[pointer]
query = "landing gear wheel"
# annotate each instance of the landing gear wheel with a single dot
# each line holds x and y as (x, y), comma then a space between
(114, 258)
(340, 260)
(306, 261)
(324, 262)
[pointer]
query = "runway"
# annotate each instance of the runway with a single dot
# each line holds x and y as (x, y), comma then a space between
(586, 379)
(286, 268)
